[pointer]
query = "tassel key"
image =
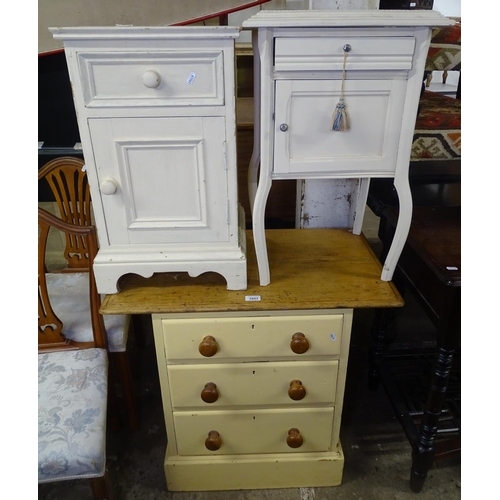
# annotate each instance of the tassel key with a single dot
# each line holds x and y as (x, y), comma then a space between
(340, 122)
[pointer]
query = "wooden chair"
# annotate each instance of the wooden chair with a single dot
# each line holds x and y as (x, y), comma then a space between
(72, 380)
(68, 181)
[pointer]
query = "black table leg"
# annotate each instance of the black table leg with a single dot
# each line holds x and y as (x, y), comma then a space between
(423, 449)
(447, 342)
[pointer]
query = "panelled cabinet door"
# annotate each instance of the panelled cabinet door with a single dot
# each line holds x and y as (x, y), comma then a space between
(305, 143)
(162, 180)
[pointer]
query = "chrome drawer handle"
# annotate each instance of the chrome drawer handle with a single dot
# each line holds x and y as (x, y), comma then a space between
(283, 127)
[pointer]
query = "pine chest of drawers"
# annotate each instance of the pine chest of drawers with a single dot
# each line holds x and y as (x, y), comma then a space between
(253, 381)
(253, 400)
(156, 114)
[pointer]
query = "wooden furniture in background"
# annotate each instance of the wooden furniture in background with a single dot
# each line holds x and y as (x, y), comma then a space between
(253, 381)
(299, 58)
(59, 396)
(156, 116)
(422, 380)
(68, 181)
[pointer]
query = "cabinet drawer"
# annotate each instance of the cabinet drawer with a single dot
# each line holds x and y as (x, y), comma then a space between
(327, 54)
(253, 384)
(176, 78)
(246, 431)
(252, 337)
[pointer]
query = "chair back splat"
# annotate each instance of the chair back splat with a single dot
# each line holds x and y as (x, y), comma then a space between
(68, 182)
(50, 327)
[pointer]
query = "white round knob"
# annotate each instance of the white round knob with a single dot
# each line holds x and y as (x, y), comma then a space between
(151, 79)
(108, 186)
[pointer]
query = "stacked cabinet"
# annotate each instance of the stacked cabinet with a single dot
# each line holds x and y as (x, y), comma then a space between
(156, 113)
(307, 62)
(253, 400)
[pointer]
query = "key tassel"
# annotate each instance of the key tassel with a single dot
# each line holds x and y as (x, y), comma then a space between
(340, 119)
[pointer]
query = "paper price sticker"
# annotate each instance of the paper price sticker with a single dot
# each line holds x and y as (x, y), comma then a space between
(252, 298)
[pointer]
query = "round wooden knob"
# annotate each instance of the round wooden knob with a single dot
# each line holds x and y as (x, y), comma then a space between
(294, 439)
(210, 393)
(151, 78)
(208, 347)
(299, 343)
(296, 391)
(213, 441)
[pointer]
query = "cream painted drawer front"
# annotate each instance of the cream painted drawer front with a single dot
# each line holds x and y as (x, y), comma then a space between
(308, 146)
(252, 337)
(258, 431)
(326, 53)
(260, 384)
(165, 78)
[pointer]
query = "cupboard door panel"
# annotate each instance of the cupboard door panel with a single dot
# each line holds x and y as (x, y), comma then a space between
(307, 145)
(169, 176)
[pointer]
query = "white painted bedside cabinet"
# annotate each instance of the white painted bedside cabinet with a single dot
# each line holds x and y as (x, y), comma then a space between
(156, 113)
(305, 62)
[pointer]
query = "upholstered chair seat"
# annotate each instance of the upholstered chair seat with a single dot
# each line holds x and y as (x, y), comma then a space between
(72, 398)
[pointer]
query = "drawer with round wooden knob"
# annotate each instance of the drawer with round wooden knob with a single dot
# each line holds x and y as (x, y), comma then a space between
(254, 431)
(245, 384)
(213, 340)
(152, 78)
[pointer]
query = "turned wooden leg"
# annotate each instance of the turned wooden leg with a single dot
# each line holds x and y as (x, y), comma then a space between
(101, 487)
(424, 449)
(448, 341)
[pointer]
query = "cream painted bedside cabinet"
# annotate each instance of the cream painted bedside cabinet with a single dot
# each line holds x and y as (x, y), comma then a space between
(305, 62)
(156, 113)
(253, 381)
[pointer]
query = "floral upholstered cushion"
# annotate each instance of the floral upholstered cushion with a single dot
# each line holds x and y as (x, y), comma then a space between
(72, 396)
(69, 297)
(438, 134)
